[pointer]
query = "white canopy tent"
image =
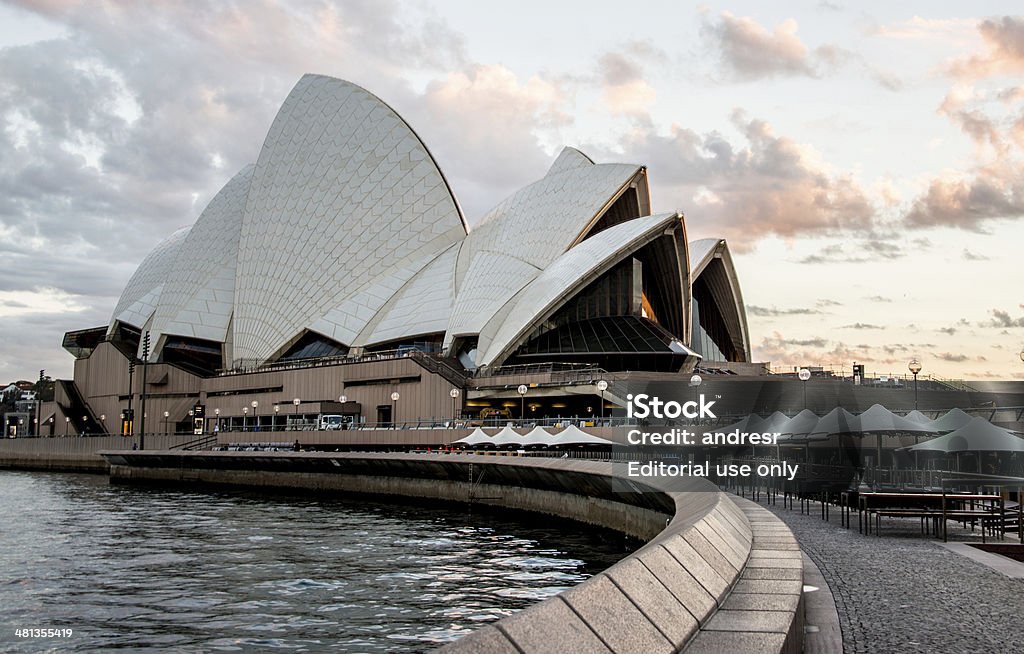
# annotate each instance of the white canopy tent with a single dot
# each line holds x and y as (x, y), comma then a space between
(573, 435)
(477, 438)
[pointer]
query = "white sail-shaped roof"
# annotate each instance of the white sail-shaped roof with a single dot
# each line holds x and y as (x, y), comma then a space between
(198, 298)
(569, 273)
(526, 232)
(342, 184)
(141, 296)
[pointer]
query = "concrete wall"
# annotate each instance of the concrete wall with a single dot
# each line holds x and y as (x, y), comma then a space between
(72, 453)
(716, 578)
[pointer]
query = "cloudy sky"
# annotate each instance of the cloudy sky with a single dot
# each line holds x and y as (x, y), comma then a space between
(864, 160)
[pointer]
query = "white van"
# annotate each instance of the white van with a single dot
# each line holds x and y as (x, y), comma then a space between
(333, 422)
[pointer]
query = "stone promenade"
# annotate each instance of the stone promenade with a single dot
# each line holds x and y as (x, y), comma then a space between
(902, 593)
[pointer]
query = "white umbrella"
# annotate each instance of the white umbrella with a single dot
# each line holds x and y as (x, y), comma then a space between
(507, 437)
(917, 416)
(753, 423)
(573, 435)
(953, 420)
(978, 435)
(799, 425)
(774, 422)
(476, 438)
(878, 419)
(538, 436)
(836, 421)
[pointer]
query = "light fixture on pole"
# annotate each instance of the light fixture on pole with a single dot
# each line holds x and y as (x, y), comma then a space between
(915, 367)
(695, 382)
(394, 409)
(245, 416)
(602, 386)
(277, 410)
(296, 402)
(67, 424)
(167, 414)
(103, 422)
(216, 412)
(804, 375)
(255, 418)
(522, 401)
(454, 394)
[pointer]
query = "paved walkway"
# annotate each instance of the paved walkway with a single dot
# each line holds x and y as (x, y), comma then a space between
(901, 593)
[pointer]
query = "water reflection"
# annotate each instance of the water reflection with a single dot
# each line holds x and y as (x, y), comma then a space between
(229, 571)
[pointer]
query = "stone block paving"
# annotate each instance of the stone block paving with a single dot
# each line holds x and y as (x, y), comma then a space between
(901, 593)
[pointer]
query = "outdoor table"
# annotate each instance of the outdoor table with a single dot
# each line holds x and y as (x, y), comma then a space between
(936, 502)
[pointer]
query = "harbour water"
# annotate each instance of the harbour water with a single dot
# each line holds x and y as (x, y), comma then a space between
(138, 568)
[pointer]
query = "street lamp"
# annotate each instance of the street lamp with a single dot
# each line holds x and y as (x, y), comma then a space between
(245, 415)
(394, 409)
(454, 394)
(67, 424)
(255, 418)
(277, 410)
(695, 381)
(522, 401)
(167, 414)
(804, 375)
(216, 412)
(296, 402)
(915, 367)
(602, 386)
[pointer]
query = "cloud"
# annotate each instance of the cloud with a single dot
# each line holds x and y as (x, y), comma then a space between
(748, 51)
(765, 312)
(769, 184)
(968, 202)
(1004, 42)
(952, 358)
(1003, 319)
(947, 330)
(827, 302)
(973, 256)
(621, 78)
(862, 325)
(878, 298)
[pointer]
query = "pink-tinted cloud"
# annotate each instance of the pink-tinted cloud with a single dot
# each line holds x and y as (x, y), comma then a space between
(1004, 42)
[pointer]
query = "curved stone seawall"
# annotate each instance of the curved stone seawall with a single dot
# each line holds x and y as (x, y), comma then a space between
(718, 574)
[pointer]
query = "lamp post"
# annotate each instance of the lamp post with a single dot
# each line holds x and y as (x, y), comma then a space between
(216, 412)
(602, 386)
(131, 394)
(39, 400)
(245, 416)
(255, 418)
(296, 402)
(103, 422)
(277, 410)
(67, 425)
(167, 414)
(454, 394)
(915, 367)
(522, 401)
(394, 409)
(142, 396)
(804, 375)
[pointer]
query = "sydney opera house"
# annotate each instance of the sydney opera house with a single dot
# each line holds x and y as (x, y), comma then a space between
(338, 274)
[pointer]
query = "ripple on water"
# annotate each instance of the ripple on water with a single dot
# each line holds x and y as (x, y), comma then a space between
(232, 572)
